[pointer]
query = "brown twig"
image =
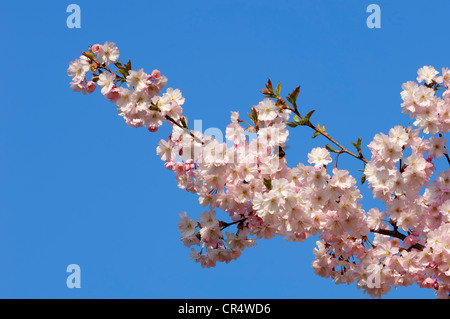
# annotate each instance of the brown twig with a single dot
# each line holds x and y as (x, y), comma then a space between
(395, 233)
(325, 134)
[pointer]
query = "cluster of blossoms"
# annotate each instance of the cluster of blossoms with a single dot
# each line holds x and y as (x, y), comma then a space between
(246, 179)
(139, 104)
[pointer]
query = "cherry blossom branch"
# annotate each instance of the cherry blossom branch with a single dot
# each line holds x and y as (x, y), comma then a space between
(305, 120)
(395, 233)
(224, 225)
(170, 119)
(98, 65)
(303, 201)
(342, 148)
(447, 157)
(445, 154)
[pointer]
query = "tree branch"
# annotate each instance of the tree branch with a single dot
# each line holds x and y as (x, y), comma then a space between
(395, 233)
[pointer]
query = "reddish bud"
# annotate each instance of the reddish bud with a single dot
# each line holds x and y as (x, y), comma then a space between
(96, 48)
(90, 86)
(156, 74)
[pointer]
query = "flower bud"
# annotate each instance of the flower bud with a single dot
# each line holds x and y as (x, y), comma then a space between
(436, 285)
(96, 48)
(90, 86)
(156, 74)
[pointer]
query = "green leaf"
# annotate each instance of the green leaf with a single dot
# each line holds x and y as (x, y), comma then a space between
(308, 116)
(357, 145)
(329, 148)
(269, 85)
(251, 117)
(292, 98)
(292, 124)
(128, 65)
(89, 54)
(296, 119)
(183, 121)
(123, 72)
(278, 89)
(268, 91)
(255, 114)
(321, 129)
(305, 120)
(268, 183)
(120, 81)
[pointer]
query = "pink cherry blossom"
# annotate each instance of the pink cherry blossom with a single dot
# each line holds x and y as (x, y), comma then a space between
(405, 240)
(96, 48)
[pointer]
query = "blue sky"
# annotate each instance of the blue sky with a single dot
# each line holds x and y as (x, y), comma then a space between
(80, 186)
